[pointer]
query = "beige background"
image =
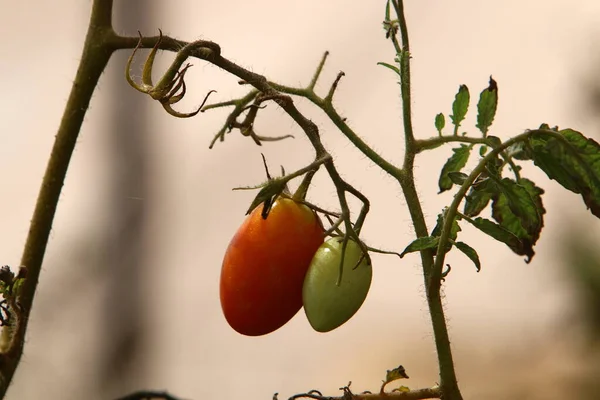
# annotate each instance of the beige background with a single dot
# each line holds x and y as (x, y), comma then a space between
(508, 323)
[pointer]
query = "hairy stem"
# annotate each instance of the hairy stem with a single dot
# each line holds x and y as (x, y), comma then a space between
(448, 381)
(93, 61)
(427, 144)
(404, 58)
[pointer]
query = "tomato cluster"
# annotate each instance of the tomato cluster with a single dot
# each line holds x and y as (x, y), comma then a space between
(275, 265)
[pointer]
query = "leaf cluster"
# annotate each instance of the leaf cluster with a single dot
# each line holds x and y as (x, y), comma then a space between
(514, 202)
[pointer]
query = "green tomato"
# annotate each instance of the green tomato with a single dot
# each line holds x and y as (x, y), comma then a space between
(326, 304)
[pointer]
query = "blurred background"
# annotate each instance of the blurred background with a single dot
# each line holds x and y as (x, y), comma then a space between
(128, 297)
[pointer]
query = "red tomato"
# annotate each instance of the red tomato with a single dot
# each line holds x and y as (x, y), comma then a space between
(264, 267)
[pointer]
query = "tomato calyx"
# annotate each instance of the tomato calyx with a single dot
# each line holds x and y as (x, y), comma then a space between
(275, 187)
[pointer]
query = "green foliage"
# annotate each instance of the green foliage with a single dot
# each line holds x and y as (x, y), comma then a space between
(569, 158)
(395, 374)
(479, 196)
(515, 203)
(422, 243)
(437, 230)
(518, 208)
(469, 252)
(440, 122)
(486, 108)
(390, 66)
(458, 178)
(455, 163)
(460, 106)
(503, 235)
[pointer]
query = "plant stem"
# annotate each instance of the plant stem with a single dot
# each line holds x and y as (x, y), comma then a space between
(404, 58)
(94, 59)
(448, 382)
(427, 144)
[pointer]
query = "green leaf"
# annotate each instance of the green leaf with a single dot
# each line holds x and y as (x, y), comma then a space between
(479, 196)
(460, 106)
(455, 163)
(573, 162)
(394, 374)
(516, 210)
(437, 230)
(511, 208)
(486, 108)
(390, 66)
(458, 178)
(482, 150)
(440, 122)
(469, 252)
(505, 236)
(494, 141)
(422, 243)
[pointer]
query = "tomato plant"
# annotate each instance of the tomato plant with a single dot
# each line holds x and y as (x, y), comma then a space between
(278, 260)
(265, 264)
(327, 304)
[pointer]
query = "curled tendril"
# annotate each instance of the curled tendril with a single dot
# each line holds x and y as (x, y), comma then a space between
(170, 89)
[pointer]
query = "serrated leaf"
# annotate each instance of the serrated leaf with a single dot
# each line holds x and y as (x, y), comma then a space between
(516, 210)
(573, 162)
(460, 106)
(422, 243)
(479, 197)
(505, 236)
(455, 163)
(486, 108)
(458, 178)
(390, 66)
(469, 252)
(437, 230)
(493, 169)
(440, 122)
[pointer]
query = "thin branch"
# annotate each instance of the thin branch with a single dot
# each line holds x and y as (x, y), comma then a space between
(432, 143)
(317, 74)
(405, 85)
(343, 126)
(329, 98)
(418, 394)
(426, 393)
(211, 48)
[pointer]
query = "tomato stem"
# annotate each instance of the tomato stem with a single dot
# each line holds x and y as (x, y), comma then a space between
(300, 193)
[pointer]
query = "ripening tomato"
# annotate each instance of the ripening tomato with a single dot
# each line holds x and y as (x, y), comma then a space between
(264, 267)
(326, 304)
